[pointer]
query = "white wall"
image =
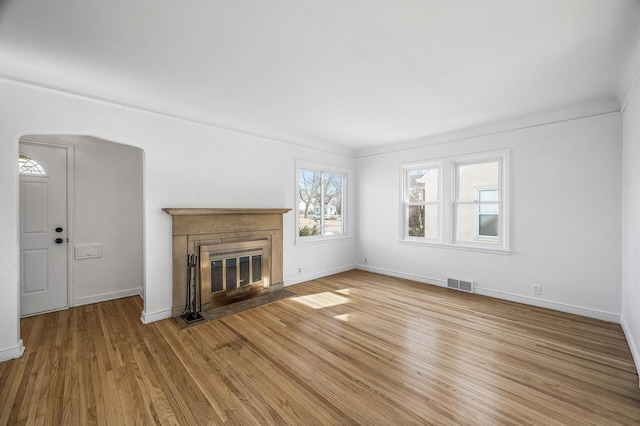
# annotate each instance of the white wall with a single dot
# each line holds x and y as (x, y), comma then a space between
(565, 218)
(185, 165)
(108, 211)
(10, 342)
(631, 225)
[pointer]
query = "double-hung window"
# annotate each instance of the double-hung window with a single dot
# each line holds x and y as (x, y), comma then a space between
(457, 202)
(321, 199)
(477, 201)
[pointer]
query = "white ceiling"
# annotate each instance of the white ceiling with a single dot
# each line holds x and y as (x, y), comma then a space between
(350, 75)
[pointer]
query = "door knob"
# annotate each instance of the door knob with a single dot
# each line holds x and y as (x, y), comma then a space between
(59, 240)
(58, 229)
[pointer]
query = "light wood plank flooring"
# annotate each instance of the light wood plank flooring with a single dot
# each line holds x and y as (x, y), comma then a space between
(353, 348)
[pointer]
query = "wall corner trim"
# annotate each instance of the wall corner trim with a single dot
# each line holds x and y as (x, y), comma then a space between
(633, 345)
(148, 318)
(12, 353)
(97, 298)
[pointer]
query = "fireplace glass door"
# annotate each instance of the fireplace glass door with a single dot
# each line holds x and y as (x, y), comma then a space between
(231, 270)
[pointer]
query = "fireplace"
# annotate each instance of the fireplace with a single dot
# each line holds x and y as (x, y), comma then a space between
(222, 256)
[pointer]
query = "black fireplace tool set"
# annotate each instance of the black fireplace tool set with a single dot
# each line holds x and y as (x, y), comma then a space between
(193, 304)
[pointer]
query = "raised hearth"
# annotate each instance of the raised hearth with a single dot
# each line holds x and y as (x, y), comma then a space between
(239, 252)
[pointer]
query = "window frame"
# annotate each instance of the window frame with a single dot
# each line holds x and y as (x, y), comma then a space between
(323, 169)
(448, 192)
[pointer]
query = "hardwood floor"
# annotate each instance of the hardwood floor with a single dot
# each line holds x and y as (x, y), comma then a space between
(353, 348)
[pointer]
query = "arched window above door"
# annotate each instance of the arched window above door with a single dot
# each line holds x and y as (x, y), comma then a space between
(28, 166)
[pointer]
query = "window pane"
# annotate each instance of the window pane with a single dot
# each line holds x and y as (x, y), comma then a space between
(488, 195)
(216, 276)
(416, 221)
(244, 271)
(431, 221)
(471, 177)
(488, 225)
(310, 193)
(423, 221)
(333, 204)
(474, 226)
(415, 191)
(422, 185)
(232, 278)
(30, 166)
(256, 268)
(466, 223)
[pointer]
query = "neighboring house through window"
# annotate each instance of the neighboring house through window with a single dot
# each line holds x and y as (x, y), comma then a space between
(487, 213)
(321, 201)
(457, 202)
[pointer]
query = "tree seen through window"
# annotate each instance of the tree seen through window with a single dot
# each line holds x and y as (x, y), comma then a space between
(320, 203)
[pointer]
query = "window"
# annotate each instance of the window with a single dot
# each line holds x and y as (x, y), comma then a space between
(422, 201)
(28, 166)
(470, 214)
(321, 201)
(477, 201)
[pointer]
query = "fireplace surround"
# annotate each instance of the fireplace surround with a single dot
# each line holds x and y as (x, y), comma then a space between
(239, 251)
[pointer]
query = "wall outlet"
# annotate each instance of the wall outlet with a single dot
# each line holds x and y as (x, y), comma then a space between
(299, 270)
(537, 290)
(365, 260)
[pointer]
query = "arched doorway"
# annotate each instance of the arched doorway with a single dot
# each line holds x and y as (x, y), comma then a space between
(105, 218)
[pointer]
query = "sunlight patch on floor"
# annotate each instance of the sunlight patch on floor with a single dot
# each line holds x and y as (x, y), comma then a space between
(321, 300)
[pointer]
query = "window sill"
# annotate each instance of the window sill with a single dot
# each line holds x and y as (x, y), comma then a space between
(497, 250)
(320, 240)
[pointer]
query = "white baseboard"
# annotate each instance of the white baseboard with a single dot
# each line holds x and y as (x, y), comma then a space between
(633, 345)
(80, 301)
(403, 275)
(556, 306)
(12, 353)
(148, 318)
(303, 278)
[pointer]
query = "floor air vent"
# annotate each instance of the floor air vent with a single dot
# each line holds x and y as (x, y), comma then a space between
(461, 285)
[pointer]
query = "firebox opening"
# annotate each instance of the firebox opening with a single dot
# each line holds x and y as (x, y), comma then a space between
(232, 271)
(235, 270)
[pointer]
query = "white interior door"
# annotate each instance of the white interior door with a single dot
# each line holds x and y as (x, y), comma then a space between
(43, 230)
